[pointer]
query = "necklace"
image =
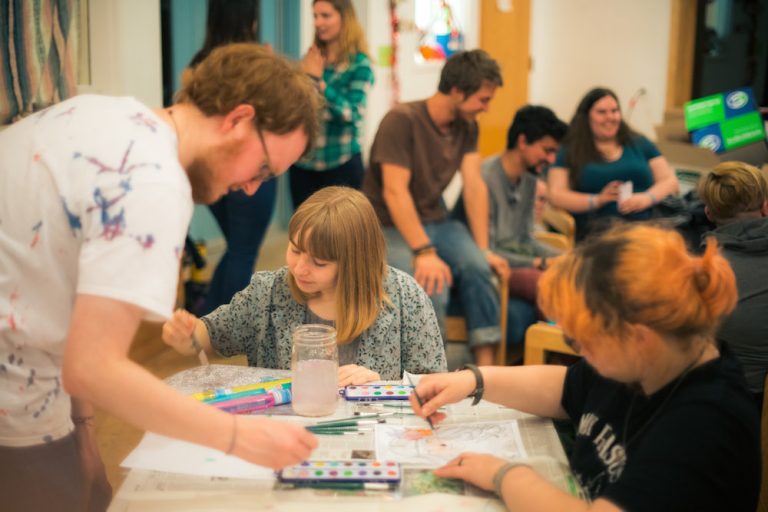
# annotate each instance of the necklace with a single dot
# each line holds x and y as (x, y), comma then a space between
(678, 381)
(593, 485)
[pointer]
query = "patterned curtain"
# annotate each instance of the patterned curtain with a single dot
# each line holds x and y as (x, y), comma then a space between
(38, 55)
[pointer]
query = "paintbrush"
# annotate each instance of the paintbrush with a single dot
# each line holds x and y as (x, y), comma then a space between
(420, 401)
(201, 355)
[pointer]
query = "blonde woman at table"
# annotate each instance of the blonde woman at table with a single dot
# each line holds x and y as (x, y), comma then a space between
(336, 274)
(663, 419)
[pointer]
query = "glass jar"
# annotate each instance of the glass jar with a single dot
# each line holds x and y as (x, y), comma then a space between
(314, 368)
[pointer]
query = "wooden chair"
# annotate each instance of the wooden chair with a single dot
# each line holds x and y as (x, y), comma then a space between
(762, 505)
(456, 326)
(541, 338)
(554, 240)
(561, 221)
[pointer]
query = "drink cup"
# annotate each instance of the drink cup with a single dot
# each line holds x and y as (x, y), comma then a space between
(314, 368)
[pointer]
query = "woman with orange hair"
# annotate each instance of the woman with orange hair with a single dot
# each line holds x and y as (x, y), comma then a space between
(663, 419)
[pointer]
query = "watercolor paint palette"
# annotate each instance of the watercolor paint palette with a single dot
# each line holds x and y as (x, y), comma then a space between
(342, 471)
(370, 392)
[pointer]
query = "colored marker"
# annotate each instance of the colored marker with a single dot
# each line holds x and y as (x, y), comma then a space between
(247, 404)
(282, 395)
(219, 393)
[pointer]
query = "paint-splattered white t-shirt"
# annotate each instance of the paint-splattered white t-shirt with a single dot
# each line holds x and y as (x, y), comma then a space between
(92, 201)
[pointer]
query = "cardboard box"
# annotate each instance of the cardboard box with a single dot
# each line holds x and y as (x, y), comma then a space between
(674, 143)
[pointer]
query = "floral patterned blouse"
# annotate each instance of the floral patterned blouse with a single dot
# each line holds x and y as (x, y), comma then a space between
(259, 320)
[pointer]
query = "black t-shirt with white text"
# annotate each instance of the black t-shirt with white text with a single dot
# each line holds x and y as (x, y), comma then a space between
(692, 445)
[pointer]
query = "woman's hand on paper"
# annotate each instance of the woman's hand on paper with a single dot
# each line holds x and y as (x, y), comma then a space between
(475, 468)
(354, 375)
(177, 332)
(439, 389)
(270, 443)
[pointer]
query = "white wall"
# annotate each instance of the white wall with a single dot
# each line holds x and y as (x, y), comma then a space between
(126, 57)
(619, 44)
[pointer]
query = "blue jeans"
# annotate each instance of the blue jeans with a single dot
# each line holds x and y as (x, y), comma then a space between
(472, 277)
(244, 221)
(521, 314)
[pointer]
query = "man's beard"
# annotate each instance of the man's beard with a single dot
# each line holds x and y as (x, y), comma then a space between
(200, 177)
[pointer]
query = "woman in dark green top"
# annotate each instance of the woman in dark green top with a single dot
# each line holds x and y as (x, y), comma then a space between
(599, 159)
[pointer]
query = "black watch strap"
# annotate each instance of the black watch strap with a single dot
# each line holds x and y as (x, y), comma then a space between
(477, 394)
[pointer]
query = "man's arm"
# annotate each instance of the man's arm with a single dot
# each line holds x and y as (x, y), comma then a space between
(475, 197)
(97, 370)
(397, 197)
(429, 270)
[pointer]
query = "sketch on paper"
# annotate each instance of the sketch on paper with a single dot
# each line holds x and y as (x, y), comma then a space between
(421, 446)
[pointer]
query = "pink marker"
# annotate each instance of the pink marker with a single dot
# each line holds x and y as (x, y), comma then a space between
(247, 404)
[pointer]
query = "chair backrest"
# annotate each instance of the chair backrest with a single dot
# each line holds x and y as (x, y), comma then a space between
(559, 220)
(541, 338)
(554, 240)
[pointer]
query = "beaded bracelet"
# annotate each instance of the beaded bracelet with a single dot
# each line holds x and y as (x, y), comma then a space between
(498, 478)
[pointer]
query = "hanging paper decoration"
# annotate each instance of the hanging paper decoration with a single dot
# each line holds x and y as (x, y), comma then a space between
(443, 37)
(395, 34)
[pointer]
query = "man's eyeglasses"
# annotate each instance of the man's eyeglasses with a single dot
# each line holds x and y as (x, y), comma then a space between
(266, 172)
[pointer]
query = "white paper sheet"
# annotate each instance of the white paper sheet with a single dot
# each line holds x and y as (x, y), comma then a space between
(160, 453)
(420, 446)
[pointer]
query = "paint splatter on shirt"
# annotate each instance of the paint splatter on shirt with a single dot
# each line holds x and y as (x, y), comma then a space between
(100, 206)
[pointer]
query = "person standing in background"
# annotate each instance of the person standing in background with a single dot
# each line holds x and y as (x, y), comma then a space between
(339, 63)
(243, 219)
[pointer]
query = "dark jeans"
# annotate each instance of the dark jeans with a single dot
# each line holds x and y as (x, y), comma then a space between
(244, 221)
(304, 183)
(46, 477)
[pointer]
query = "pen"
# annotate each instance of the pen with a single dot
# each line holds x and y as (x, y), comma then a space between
(420, 401)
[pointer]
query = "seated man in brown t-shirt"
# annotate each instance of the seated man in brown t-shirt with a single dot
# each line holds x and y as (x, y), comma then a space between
(417, 150)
